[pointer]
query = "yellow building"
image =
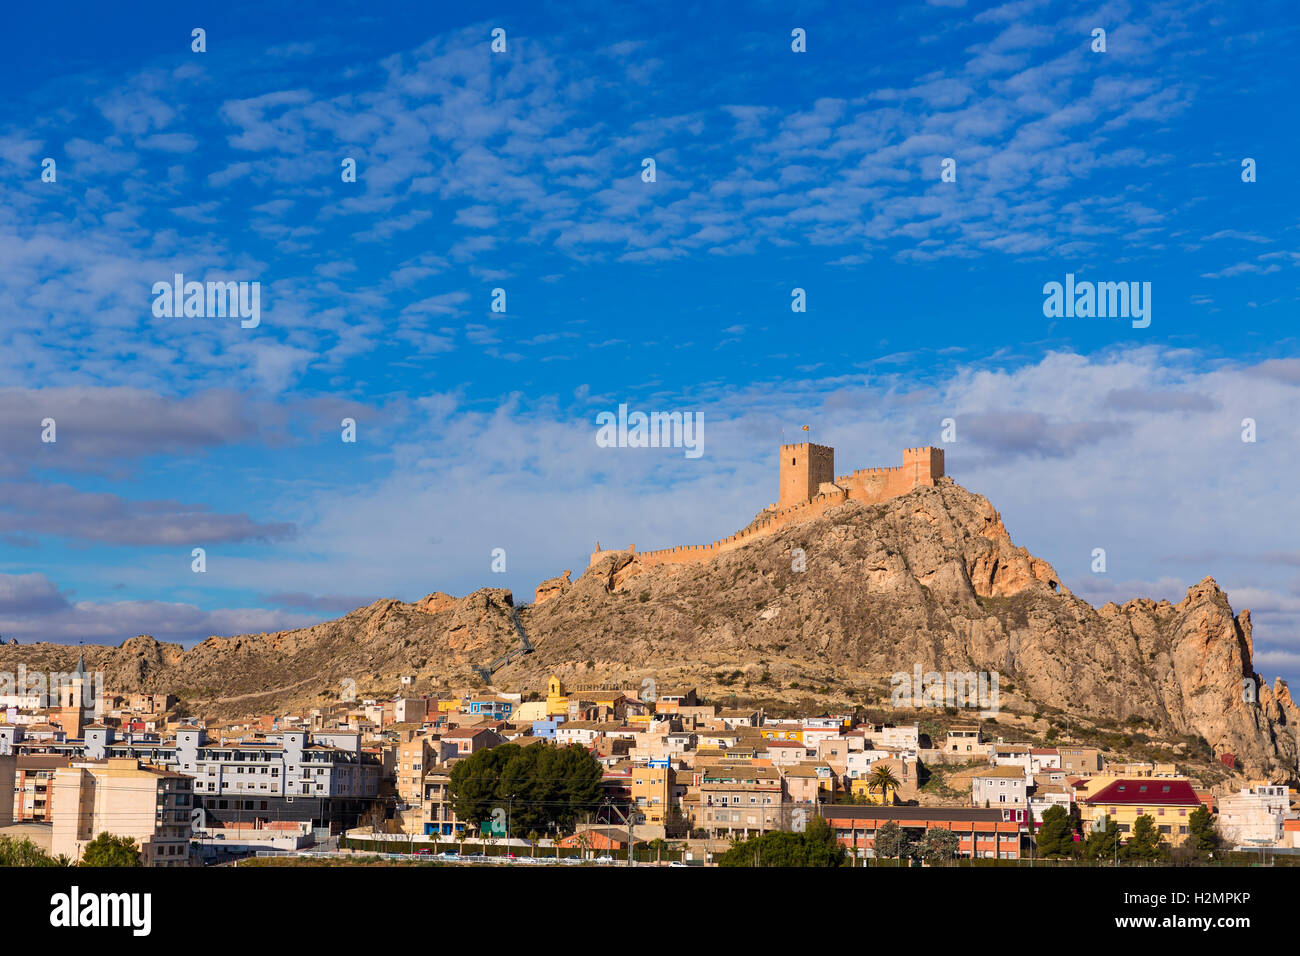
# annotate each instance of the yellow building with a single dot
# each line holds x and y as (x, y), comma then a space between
(1169, 801)
(652, 793)
(775, 731)
(123, 797)
(557, 700)
(862, 790)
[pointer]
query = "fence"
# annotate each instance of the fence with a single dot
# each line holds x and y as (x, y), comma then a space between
(643, 852)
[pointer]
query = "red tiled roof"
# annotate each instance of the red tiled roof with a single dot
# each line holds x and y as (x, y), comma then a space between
(1144, 791)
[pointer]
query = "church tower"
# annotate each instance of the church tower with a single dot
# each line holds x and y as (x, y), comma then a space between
(72, 700)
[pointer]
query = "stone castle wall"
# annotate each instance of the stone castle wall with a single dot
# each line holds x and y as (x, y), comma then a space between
(804, 468)
(921, 466)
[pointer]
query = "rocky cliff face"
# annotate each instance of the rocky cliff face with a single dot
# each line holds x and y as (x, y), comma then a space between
(930, 578)
(250, 673)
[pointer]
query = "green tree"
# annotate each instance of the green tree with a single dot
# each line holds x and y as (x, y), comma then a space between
(474, 781)
(1102, 841)
(1055, 836)
(1202, 837)
(815, 847)
(1144, 844)
(25, 853)
(109, 850)
(892, 842)
(939, 845)
(657, 846)
(534, 786)
(882, 780)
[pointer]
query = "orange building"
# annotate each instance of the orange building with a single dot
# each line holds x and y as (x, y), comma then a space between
(33, 785)
(991, 833)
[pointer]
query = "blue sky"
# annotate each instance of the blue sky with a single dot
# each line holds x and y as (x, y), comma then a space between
(522, 170)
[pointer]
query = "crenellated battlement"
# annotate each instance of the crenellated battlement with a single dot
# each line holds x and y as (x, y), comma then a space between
(807, 491)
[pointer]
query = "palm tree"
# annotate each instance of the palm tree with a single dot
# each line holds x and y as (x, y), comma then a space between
(657, 845)
(882, 779)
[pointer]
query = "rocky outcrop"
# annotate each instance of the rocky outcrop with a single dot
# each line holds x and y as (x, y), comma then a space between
(930, 578)
(435, 602)
(829, 607)
(552, 587)
(438, 639)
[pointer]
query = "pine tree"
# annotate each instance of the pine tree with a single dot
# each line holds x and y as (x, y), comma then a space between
(1102, 841)
(1202, 837)
(1055, 837)
(1144, 844)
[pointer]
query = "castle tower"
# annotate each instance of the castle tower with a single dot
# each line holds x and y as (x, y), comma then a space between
(803, 469)
(923, 465)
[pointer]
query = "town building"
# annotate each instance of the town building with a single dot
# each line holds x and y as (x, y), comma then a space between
(999, 786)
(1254, 815)
(1081, 761)
(1169, 801)
(8, 775)
(34, 776)
(124, 797)
(986, 833)
(740, 800)
(324, 777)
(964, 739)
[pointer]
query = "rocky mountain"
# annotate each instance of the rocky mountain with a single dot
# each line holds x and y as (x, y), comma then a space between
(930, 578)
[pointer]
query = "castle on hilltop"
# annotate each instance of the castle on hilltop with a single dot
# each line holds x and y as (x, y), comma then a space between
(808, 489)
